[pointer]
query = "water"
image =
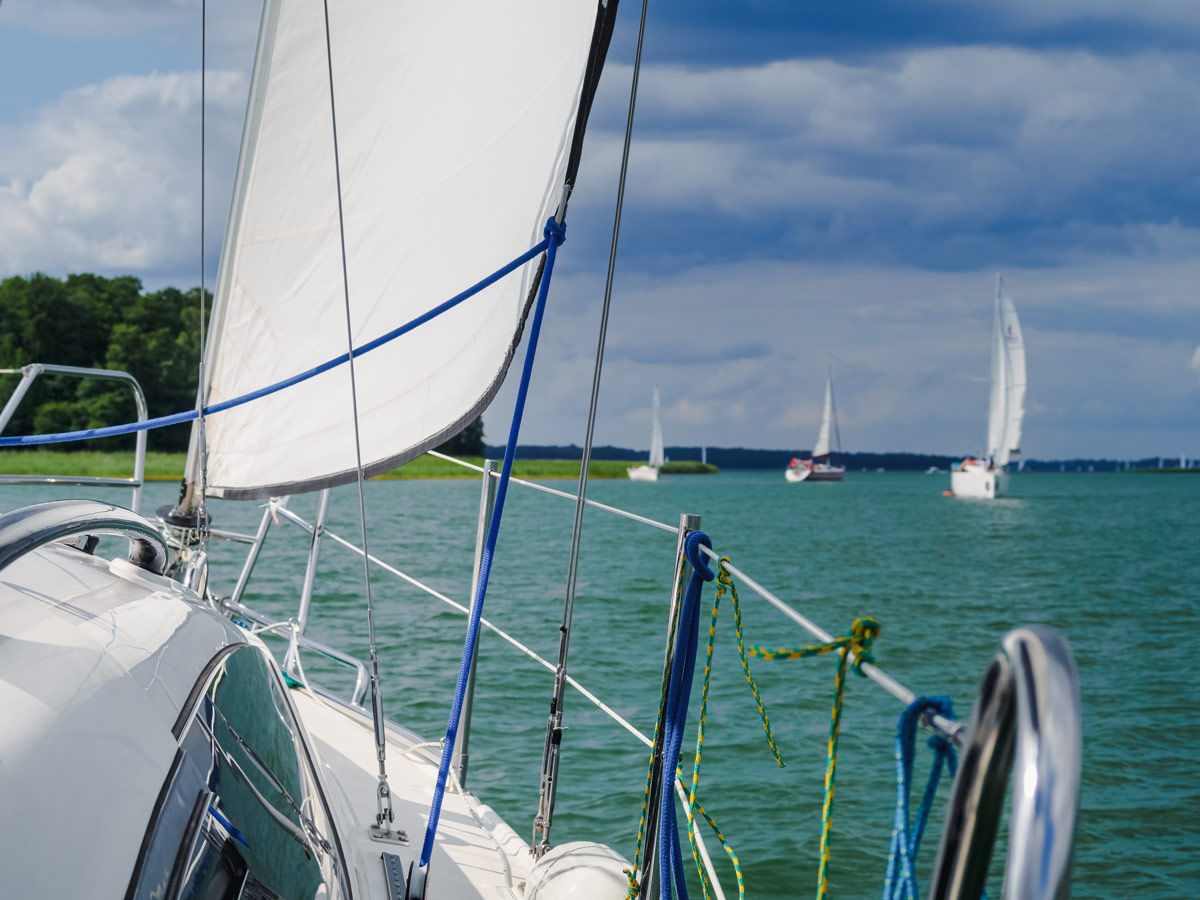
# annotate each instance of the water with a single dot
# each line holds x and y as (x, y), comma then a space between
(1110, 560)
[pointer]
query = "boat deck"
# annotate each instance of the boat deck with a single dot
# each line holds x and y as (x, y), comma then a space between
(466, 862)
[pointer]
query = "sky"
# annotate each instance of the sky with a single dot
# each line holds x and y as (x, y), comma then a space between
(812, 188)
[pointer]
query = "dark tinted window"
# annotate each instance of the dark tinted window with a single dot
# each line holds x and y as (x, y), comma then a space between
(242, 815)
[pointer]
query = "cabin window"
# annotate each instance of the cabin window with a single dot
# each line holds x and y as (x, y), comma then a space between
(241, 814)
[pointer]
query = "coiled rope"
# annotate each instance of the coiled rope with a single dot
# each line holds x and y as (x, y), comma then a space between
(858, 642)
(675, 638)
(900, 881)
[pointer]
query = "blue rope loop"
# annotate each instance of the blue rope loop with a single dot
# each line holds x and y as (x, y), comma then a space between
(679, 691)
(554, 231)
(489, 549)
(900, 880)
(555, 235)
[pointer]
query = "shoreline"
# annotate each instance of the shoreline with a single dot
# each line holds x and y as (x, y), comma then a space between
(162, 467)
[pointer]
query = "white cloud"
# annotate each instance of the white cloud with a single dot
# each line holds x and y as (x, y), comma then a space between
(1195, 363)
(1059, 151)
(106, 178)
(908, 348)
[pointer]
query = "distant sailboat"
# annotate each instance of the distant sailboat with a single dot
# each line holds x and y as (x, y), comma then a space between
(820, 467)
(985, 478)
(650, 472)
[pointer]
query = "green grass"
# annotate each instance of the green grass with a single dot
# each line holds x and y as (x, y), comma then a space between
(94, 463)
(169, 466)
(432, 467)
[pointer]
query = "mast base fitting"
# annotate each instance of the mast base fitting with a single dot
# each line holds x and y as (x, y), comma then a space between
(387, 835)
(169, 515)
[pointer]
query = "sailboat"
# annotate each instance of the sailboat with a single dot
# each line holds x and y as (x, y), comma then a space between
(985, 478)
(649, 472)
(820, 466)
(143, 710)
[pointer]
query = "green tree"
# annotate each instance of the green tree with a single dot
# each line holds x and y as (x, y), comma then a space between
(97, 322)
(468, 442)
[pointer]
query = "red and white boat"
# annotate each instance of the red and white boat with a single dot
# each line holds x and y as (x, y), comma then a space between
(820, 467)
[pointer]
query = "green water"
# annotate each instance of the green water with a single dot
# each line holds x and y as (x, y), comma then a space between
(1110, 560)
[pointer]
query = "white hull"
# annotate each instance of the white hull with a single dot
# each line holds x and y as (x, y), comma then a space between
(642, 473)
(796, 474)
(977, 481)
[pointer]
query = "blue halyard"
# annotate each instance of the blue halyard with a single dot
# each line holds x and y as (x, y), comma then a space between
(178, 418)
(555, 234)
(679, 691)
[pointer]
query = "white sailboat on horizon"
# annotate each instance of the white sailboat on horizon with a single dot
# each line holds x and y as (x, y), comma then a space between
(820, 466)
(649, 472)
(985, 478)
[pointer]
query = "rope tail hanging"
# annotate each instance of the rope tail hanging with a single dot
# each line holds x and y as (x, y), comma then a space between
(857, 643)
(900, 880)
(676, 639)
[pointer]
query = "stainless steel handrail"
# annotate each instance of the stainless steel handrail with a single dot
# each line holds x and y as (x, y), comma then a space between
(32, 371)
(24, 530)
(1028, 703)
(264, 622)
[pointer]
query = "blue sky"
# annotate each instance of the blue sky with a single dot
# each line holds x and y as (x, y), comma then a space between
(810, 185)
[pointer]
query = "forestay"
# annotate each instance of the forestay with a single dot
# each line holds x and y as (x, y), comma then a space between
(460, 127)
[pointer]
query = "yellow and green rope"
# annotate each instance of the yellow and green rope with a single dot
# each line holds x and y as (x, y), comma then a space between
(862, 635)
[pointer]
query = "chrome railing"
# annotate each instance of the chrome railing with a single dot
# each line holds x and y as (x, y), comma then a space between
(24, 530)
(1029, 703)
(29, 374)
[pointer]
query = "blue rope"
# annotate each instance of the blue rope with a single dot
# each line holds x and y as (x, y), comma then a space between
(179, 418)
(679, 691)
(555, 234)
(900, 881)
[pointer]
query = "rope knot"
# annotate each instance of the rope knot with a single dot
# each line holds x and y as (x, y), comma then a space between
(864, 631)
(555, 232)
(691, 548)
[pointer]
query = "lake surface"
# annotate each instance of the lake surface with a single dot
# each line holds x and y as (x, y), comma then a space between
(1110, 560)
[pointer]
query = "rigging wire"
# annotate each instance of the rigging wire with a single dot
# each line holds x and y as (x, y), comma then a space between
(202, 508)
(383, 816)
(551, 750)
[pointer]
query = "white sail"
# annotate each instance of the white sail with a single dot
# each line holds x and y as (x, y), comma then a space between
(821, 448)
(1014, 386)
(656, 435)
(459, 128)
(998, 398)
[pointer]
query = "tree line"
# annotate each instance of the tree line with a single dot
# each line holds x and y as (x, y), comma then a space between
(103, 323)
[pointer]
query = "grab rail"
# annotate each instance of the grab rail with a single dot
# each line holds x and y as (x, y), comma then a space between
(24, 530)
(31, 372)
(1028, 702)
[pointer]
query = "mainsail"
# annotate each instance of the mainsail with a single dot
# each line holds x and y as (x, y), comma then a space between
(821, 448)
(460, 128)
(656, 436)
(1006, 405)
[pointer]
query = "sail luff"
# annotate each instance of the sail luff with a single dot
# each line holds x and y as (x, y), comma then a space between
(821, 447)
(1014, 347)
(461, 137)
(997, 401)
(657, 453)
